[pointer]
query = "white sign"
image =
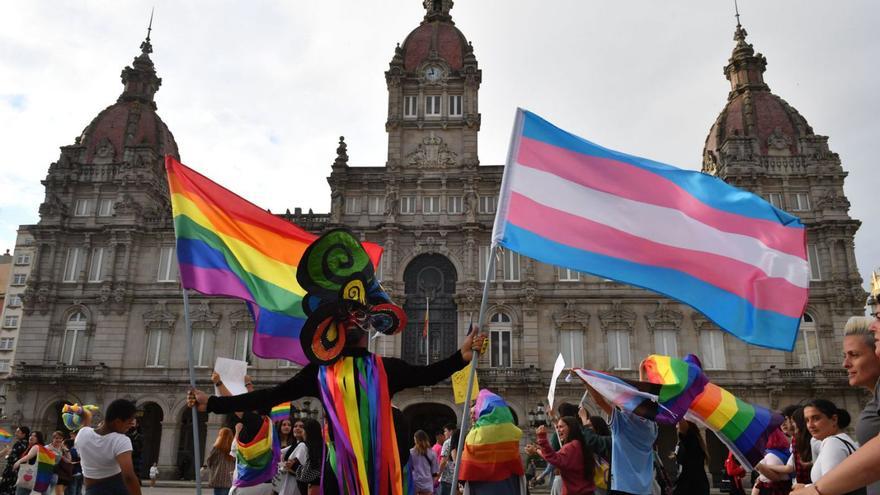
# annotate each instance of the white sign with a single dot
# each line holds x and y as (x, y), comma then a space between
(231, 374)
(557, 370)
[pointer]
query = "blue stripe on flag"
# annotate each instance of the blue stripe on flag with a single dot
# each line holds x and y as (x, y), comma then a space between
(710, 190)
(730, 312)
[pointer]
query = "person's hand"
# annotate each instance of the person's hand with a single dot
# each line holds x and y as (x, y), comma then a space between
(583, 414)
(215, 378)
(473, 342)
(198, 399)
(541, 431)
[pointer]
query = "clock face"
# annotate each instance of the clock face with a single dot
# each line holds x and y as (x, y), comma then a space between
(433, 73)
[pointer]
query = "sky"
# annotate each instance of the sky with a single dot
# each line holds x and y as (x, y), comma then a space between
(257, 93)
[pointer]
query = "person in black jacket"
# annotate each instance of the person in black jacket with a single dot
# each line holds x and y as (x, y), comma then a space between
(344, 304)
(691, 456)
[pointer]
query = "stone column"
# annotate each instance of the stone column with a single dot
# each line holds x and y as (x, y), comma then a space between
(168, 450)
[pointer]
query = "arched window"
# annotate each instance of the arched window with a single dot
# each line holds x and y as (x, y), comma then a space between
(808, 345)
(500, 340)
(74, 338)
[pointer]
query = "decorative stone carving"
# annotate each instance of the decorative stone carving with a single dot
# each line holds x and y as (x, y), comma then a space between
(241, 320)
(341, 154)
(831, 201)
(105, 152)
(470, 206)
(159, 317)
(570, 318)
(127, 206)
(432, 152)
(617, 318)
(203, 314)
(664, 318)
(52, 206)
(702, 323)
(778, 140)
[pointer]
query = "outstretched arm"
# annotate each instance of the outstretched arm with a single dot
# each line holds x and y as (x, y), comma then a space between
(303, 384)
(856, 471)
(600, 401)
(402, 375)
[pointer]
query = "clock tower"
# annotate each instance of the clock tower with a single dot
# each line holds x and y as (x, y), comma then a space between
(433, 82)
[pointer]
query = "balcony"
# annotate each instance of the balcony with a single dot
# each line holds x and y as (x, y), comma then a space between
(501, 377)
(59, 371)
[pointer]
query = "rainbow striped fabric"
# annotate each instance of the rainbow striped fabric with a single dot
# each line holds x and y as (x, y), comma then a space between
(280, 412)
(46, 460)
(227, 246)
(5, 436)
(678, 389)
(257, 460)
(491, 448)
(726, 252)
(360, 438)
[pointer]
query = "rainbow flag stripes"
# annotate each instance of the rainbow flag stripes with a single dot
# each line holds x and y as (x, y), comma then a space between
(227, 246)
(5, 436)
(46, 460)
(491, 448)
(678, 389)
(724, 251)
(280, 412)
(257, 460)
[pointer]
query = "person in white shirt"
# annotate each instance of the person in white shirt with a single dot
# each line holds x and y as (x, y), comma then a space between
(154, 474)
(105, 453)
(826, 422)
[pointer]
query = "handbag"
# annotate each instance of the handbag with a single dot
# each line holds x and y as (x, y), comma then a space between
(601, 473)
(27, 475)
(850, 448)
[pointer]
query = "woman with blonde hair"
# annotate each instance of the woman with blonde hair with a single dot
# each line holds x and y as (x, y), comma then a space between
(424, 464)
(221, 464)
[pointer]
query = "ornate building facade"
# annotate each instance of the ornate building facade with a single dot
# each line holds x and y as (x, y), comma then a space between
(103, 313)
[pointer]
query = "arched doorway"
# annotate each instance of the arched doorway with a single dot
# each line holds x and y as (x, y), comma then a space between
(52, 419)
(151, 433)
(429, 282)
(185, 466)
(428, 416)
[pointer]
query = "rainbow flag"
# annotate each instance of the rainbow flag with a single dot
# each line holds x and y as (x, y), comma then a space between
(5, 436)
(227, 246)
(46, 460)
(257, 461)
(724, 251)
(491, 448)
(678, 389)
(280, 412)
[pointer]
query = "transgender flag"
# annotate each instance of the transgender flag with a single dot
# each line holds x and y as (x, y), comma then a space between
(687, 235)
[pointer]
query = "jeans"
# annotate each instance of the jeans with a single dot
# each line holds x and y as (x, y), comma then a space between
(109, 486)
(445, 488)
(75, 485)
(221, 491)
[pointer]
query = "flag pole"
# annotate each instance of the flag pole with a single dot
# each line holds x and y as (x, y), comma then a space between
(427, 331)
(197, 457)
(466, 408)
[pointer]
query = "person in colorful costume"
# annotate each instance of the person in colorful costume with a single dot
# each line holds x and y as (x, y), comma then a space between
(490, 461)
(344, 303)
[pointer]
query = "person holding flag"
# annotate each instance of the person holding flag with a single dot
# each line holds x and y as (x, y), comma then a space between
(345, 303)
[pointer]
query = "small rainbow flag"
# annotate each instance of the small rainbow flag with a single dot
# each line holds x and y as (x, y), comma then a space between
(5, 436)
(280, 412)
(491, 449)
(257, 460)
(46, 460)
(677, 389)
(228, 246)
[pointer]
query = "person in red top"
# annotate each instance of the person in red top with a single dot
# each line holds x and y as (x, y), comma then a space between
(736, 473)
(574, 459)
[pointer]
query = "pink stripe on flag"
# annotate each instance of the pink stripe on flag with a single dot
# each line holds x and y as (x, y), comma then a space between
(741, 279)
(271, 347)
(214, 281)
(637, 184)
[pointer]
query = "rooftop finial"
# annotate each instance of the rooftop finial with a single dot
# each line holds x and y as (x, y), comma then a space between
(146, 46)
(736, 9)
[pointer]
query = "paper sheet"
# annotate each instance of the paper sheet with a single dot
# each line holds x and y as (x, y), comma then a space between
(459, 385)
(231, 374)
(557, 370)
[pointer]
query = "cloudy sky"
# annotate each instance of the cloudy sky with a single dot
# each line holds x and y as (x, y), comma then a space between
(257, 92)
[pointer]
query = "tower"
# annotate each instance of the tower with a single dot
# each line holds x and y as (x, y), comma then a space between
(761, 143)
(433, 84)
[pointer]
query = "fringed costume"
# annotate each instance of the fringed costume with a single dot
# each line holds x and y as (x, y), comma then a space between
(343, 302)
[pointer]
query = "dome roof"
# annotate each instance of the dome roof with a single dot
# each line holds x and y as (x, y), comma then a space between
(436, 37)
(752, 110)
(126, 123)
(132, 120)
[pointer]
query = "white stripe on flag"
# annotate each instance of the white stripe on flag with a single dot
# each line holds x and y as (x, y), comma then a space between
(655, 223)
